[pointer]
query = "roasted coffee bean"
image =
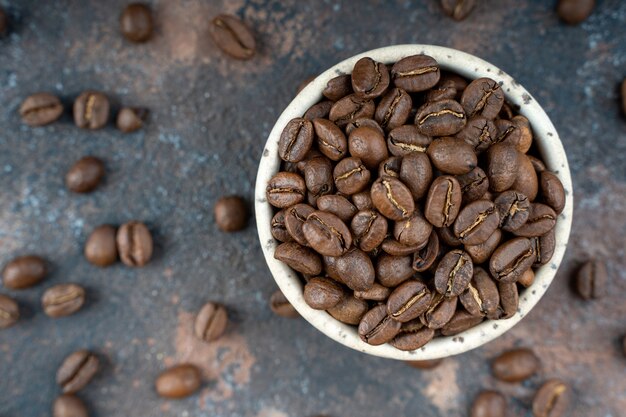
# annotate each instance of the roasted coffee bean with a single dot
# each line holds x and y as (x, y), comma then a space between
(338, 87)
(511, 259)
(4, 22)
(370, 79)
(508, 132)
(91, 110)
(482, 97)
(481, 297)
(544, 247)
(296, 140)
(445, 90)
(136, 22)
(541, 219)
(474, 184)
(391, 271)
(440, 311)
(39, 109)
(425, 364)
(278, 227)
(526, 133)
(406, 139)
(77, 370)
(552, 399)
(392, 198)
(178, 381)
(368, 145)
(281, 306)
(502, 166)
(447, 237)
(63, 300)
(476, 222)
(408, 301)
(231, 213)
(350, 310)
(527, 278)
(452, 156)
(130, 119)
(232, 36)
(443, 202)
(413, 340)
(318, 176)
(513, 208)
(377, 292)
(351, 176)
(330, 139)
(24, 272)
(376, 327)
(460, 83)
(211, 322)
(552, 191)
(327, 234)
(364, 123)
(480, 133)
(363, 200)
(351, 108)
(526, 181)
(482, 252)
(453, 273)
(355, 269)
(369, 229)
(9, 311)
(134, 244)
(285, 189)
(461, 321)
(298, 257)
(538, 164)
(424, 258)
(509, 300)
(574, 12)
(394, 108)
(337, 205)
(415, 73)
(67, 405)
(295, 216)
(412, 326)
(319, 110)
(440, 118)
(458, 10)
(101, 248)
(591, 280)
(416, 173)
(413, 231)
(515, 365)
(323, 293)
(85, 175)
(489, 404)
(390, 167)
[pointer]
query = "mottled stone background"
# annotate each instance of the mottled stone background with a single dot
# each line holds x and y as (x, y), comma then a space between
(210, 116)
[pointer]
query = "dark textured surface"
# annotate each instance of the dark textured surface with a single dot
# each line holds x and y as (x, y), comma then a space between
(209, 119)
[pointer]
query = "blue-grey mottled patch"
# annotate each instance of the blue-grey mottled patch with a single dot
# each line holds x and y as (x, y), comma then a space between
(266, 153)
(527, 99)
(550, 134)
(495, 326)
(553, 266)
(500, 72)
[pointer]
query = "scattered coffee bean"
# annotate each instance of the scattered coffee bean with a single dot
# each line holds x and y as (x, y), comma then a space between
(440, 118)
(23, 272)
(552, 399)
(134, 244)
(211, 322)
(338, 87)
(68, 405)
(425, 364)
(574, 12)
(231, 213)
(458, 9)
(415, 73)
(489, 404)
(592, 280)
(482, 97)
(85, 175)
(130, 119)
(370, 79)
(101, 247)
(77, 370)
(232, 36)
(9, 311)
(515, 365)
(136, 22)
(91, 110)
(552, 191)
(39, 109)
(178, 381)
(281, 306)
(63, 300)
(323, 293)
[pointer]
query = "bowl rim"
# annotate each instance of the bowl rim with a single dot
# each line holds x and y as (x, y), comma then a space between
(550, 148)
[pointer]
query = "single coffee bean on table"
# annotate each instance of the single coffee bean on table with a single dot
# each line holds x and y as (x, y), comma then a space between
(77, 370)
(574, 12)
(211, 322)
(231, 213)
(40, 109)
(9, 311)
(23, 272)
(281, 306)
(101, 247)
(63, 300)
(489, 404)
(425, 364)
(68, 405)
(130, 119)
(552, 399)
(91, 110)
(592, 280)
(232, 36)
(179, 381)
(515, 365)
(136, 22)
(458, 9)
(134, 244)
(85, 175)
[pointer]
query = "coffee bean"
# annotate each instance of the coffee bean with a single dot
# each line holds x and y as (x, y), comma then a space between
(544, 247)
(474, 184)
(445, 90)
(136, 22)
(394, 108)
(413, 340)
(368, 145)
(63, 300)
(355, 269)
(527, 278)
(425, 364)
(351, 176)
(370, 79)
(440, 118)
(232, 36)
(285, 189)
(406, 139)
(295, 140)
(458, 9)
(541, 219)
(323, 293)
(350, 310)
(39, 109)
(574, 12)
(480, 133)
(508, 132)
(281, 306)
(489, 404)
(511, 259)
(91, 110)
(408, 301)
(509, 300)
(440, 311)
(351, 108)
(298, 257)
(482, 252)
(295, 216)
(390, 167)
(327, 234)
(134, 244)
(9, 311)
(443, 202)
(413, 231)
(318, 176)
(526, 133)
(460, 322)
(416, 173)
(67, 405)
(526, 181)
(515, 365)
(85, 175)
(330, 139)
(447, 237)
(130, 119)
(391, 271)
(210, 322)
(513, 208)
(476, 222)
(424, 258)
(452, 156)
(278, 227)
(178, 381)
(363, 200)
(552, 191)
(364, 123)
(4, 22)
(453, 273)
(502, 166)
(481, 297)
(395, 248)
(415, 73)
(460, 83)
(482, 97)
(392, 198)
(23, 272)
(318, 110)
(538, 164)
(338, 87)
(369, 229)
(77, 370)
(377, 292)
(231, 213)
(591, 280)
(376, 327)
(552, 399)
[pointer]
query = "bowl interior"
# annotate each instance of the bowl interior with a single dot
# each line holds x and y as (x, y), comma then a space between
(548, 143)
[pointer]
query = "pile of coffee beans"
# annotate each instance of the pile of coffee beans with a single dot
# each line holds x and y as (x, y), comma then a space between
(413, 202)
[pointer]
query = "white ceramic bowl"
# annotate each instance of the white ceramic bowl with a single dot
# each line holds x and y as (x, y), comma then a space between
(545, 136)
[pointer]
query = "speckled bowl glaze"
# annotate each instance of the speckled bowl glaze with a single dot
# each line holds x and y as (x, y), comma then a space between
(546, 138)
